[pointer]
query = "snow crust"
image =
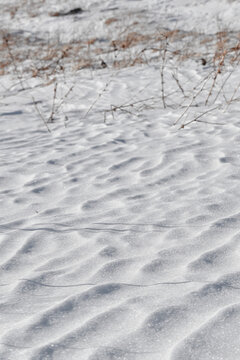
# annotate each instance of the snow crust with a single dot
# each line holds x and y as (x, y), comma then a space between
(119, 233)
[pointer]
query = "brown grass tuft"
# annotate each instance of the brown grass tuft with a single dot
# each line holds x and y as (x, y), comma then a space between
(110, 21)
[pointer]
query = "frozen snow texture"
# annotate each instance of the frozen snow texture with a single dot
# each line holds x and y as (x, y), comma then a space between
(119, 240)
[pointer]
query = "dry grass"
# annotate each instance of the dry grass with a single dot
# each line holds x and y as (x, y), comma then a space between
(124, 47)
(126, 44)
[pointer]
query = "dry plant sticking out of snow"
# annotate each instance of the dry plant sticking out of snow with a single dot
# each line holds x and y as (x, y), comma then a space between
(51, 61)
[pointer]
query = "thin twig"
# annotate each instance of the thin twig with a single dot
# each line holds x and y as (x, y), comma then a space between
(192, 100)
(97, 98)
(14, 63)
(217, 72)
(162, 74)
(178, 83)
(199, 116)
(40, 114)
(51, 117)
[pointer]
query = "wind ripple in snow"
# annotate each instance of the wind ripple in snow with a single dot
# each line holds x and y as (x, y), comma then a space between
(119, 241)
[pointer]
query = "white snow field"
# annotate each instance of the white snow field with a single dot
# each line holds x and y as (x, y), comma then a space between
(120, 180)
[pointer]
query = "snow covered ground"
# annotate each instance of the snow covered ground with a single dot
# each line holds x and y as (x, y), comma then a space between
(119, 185)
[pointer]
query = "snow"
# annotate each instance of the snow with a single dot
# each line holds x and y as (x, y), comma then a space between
(119, 223)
